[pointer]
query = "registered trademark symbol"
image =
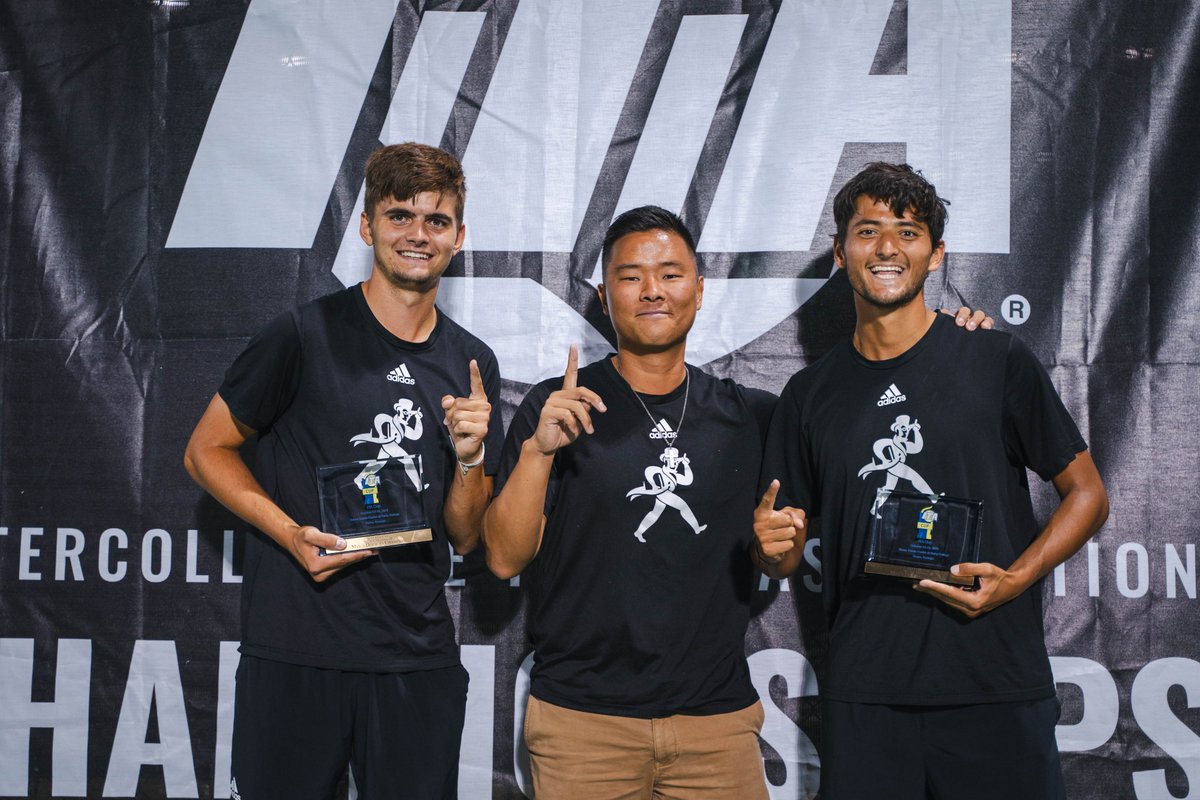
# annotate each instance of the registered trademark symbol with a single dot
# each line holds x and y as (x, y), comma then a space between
(1015, 309)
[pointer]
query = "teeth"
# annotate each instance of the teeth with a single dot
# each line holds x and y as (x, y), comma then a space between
(885, 270)
(412, 254)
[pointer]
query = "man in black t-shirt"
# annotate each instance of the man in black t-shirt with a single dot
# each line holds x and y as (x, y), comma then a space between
(942, 691)
(633, 542)
(350, 657)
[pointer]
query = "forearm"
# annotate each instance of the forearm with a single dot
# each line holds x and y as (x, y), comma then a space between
(466, 502)
(512, 525)
(1079, 515)
(221, 472)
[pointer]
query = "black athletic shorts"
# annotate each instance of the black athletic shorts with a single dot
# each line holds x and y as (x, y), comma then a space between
(296, 728)
(988, 751)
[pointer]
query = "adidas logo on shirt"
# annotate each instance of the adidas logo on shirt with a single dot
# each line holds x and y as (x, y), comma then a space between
(661, 431)
(892, 395)
(400, 375)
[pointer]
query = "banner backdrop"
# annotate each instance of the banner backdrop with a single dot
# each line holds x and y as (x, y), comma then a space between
(174, 174)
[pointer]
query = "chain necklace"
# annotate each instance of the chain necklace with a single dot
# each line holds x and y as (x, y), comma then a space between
(687, 385)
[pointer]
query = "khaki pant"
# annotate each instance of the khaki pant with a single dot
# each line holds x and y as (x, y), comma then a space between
(580, 756)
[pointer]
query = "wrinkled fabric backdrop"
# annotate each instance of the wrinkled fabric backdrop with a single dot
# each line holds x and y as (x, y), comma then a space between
(174, 174)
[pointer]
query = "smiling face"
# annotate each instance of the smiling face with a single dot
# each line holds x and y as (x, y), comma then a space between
(652, 290)
(413, 239)
(886, 257)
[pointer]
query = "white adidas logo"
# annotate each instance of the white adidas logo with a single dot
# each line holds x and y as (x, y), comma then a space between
(892, 395)
(400, 375)
(662, 430)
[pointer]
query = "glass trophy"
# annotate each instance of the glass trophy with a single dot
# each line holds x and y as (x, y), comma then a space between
(914, 537)
(373, 504)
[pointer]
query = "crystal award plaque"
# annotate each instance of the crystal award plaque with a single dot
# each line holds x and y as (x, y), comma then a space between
(373, 504)
(914, 537)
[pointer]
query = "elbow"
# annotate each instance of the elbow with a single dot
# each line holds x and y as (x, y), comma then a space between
(501, 569)
(190, 463)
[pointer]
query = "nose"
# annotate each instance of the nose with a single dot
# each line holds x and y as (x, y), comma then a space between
(651, 288)
(887, 244)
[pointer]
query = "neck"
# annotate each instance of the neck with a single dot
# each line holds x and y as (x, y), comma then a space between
(407, 314)
(651, 373)
(880, 334)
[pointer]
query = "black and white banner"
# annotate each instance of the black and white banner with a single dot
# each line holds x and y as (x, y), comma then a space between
(175, 173)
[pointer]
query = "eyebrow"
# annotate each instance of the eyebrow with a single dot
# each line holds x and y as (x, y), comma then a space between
(636, 265)
(907, 223)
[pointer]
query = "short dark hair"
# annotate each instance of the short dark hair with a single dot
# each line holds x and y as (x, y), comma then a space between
(904, 189)
(641, 219)
(404, 171)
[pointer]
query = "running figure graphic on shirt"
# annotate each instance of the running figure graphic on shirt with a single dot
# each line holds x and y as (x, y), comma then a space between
(890, 455)
(389, 431)
(660, 483)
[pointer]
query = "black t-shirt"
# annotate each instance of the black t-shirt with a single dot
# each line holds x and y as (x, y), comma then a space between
(965, 413)
(327, 384)
(655, 627)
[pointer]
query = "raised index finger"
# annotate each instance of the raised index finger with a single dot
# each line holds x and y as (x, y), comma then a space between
(572, 373)
(477, 390)
(768, 500)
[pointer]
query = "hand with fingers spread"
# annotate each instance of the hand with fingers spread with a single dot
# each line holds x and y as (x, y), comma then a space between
(996, 587)
(467, 419)
(305, 541)
(567, 413)
(777, 532)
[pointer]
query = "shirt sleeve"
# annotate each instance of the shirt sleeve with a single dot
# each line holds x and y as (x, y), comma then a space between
(263, 380)
(1038, 430)
(522, 426)
(787, 456)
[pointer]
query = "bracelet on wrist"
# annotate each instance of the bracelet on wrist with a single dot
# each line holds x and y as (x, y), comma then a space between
(464, 466)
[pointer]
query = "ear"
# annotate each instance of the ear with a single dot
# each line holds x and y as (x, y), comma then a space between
(462, 235)
(839, 254)
(364, 229)
(699, 292)
(600, 295)
(939, 255)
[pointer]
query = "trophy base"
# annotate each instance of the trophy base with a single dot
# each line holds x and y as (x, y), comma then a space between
(375, 541)
(917, 573)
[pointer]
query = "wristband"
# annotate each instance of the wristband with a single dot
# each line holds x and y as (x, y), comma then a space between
(465, 467)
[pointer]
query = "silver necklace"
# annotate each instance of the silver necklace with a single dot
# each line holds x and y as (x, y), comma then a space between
(687, 385)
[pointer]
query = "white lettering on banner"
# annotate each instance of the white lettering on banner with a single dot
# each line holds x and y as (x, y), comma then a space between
(520, 764)
(154, 682)
(67, 716)
(153, 679)
(801, 764)
(193, 545)
(28, 553)
(810, 578)
(668, 151)
(548, 118)
(418, 112)
(1141, 569)
(158, 555)
(1101, 708)
(160, 540)
(537, 148)
(1154, 716)
(107, 540)
(227, 573)
(813, 93)
(70, 545)
(280, 124)
(223, 748)
(1178, 574)
(475, 756)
